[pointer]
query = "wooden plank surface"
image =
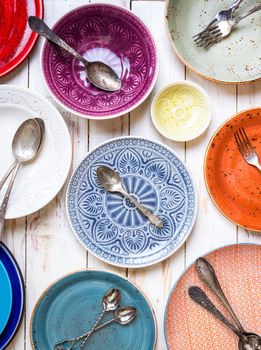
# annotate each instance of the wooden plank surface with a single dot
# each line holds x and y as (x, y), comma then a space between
(43, 241)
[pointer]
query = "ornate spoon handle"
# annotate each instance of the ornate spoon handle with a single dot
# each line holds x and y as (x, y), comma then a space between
(197, 295)
(4, 203)
(6, 175)
(209, 277)
(154, 219)
(38, 26)
(70, 344)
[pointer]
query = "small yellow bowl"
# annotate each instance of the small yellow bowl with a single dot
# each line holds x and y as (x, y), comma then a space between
(181, 111)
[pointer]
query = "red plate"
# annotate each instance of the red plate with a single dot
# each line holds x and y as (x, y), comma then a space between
(16, 38)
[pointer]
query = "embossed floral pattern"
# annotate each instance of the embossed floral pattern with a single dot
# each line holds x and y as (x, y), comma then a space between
(109, 225)
(110, 34)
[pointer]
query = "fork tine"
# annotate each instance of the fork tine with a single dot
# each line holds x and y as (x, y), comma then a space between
(244, 141)
(207, 41)
(206, 32)
(248, 141)
(213, 41)
(206, 28)
(241, 150)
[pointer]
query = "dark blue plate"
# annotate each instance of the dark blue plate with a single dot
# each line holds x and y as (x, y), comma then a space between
(17, 285)
(70, 306)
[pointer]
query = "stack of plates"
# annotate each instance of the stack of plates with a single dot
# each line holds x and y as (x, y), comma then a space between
(11, 296)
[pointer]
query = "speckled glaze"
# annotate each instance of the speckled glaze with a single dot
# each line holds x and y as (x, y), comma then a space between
(104, 33)
(69, 307)
(236, 59)
(188, 326)
(234, 185)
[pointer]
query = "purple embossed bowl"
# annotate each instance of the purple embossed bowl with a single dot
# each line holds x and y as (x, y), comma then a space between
(105, 33)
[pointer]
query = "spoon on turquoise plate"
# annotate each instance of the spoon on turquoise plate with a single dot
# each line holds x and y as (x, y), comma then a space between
(122, 315)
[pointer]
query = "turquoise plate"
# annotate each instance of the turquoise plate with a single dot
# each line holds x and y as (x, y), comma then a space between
(5, 297)
(69, 307)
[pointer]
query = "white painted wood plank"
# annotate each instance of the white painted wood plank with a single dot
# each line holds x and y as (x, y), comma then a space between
(157, 280)
(101, 131)
(212, 229)
(52, 249)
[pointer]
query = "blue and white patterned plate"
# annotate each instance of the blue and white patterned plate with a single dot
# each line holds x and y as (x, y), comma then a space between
(109, 226)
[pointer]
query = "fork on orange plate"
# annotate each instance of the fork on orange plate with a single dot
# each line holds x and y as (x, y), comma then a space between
(246, 149)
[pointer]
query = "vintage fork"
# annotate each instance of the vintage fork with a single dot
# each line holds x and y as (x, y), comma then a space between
(224, 15)
(222, 29)
(246, 149)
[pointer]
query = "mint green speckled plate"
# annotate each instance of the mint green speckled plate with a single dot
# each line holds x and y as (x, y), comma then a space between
(235, 60)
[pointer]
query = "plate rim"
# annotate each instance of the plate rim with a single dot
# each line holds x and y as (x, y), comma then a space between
(9, 286)
(205, 166)
(186, 269)
(30, 42)
(138, 266)
(193, 69)
(40, 97)
(74, 272)
(22, 290)
(115, 115)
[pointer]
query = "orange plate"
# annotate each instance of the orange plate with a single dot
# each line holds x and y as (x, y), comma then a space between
(189, 327)
(234, 185)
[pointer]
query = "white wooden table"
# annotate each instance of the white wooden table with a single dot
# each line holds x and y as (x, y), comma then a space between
(43, 242)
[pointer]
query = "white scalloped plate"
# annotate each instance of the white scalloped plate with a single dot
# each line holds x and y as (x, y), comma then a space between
(39, 182)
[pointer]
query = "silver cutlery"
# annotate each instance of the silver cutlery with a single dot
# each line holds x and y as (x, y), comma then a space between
(99, 73)
(209, 277)
(224, 15)
(110, 302)
(246, 149)
(25, 146)
(221, 29)
(111, 181)
(9, 171)
(247, 341)
(122, 315)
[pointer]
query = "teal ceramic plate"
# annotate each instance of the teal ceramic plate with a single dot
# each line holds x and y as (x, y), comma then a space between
(5, 297)
(70, 306)
(234, 60)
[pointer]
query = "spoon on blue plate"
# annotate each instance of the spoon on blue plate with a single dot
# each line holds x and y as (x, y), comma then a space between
(111, 181)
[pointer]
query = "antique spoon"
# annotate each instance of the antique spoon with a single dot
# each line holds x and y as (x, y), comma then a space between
(110, 302)
(122, 315)
(111, 181)
(8, 172)
(99, 73)
(247, 341)
(209, 277)
(25, 146)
